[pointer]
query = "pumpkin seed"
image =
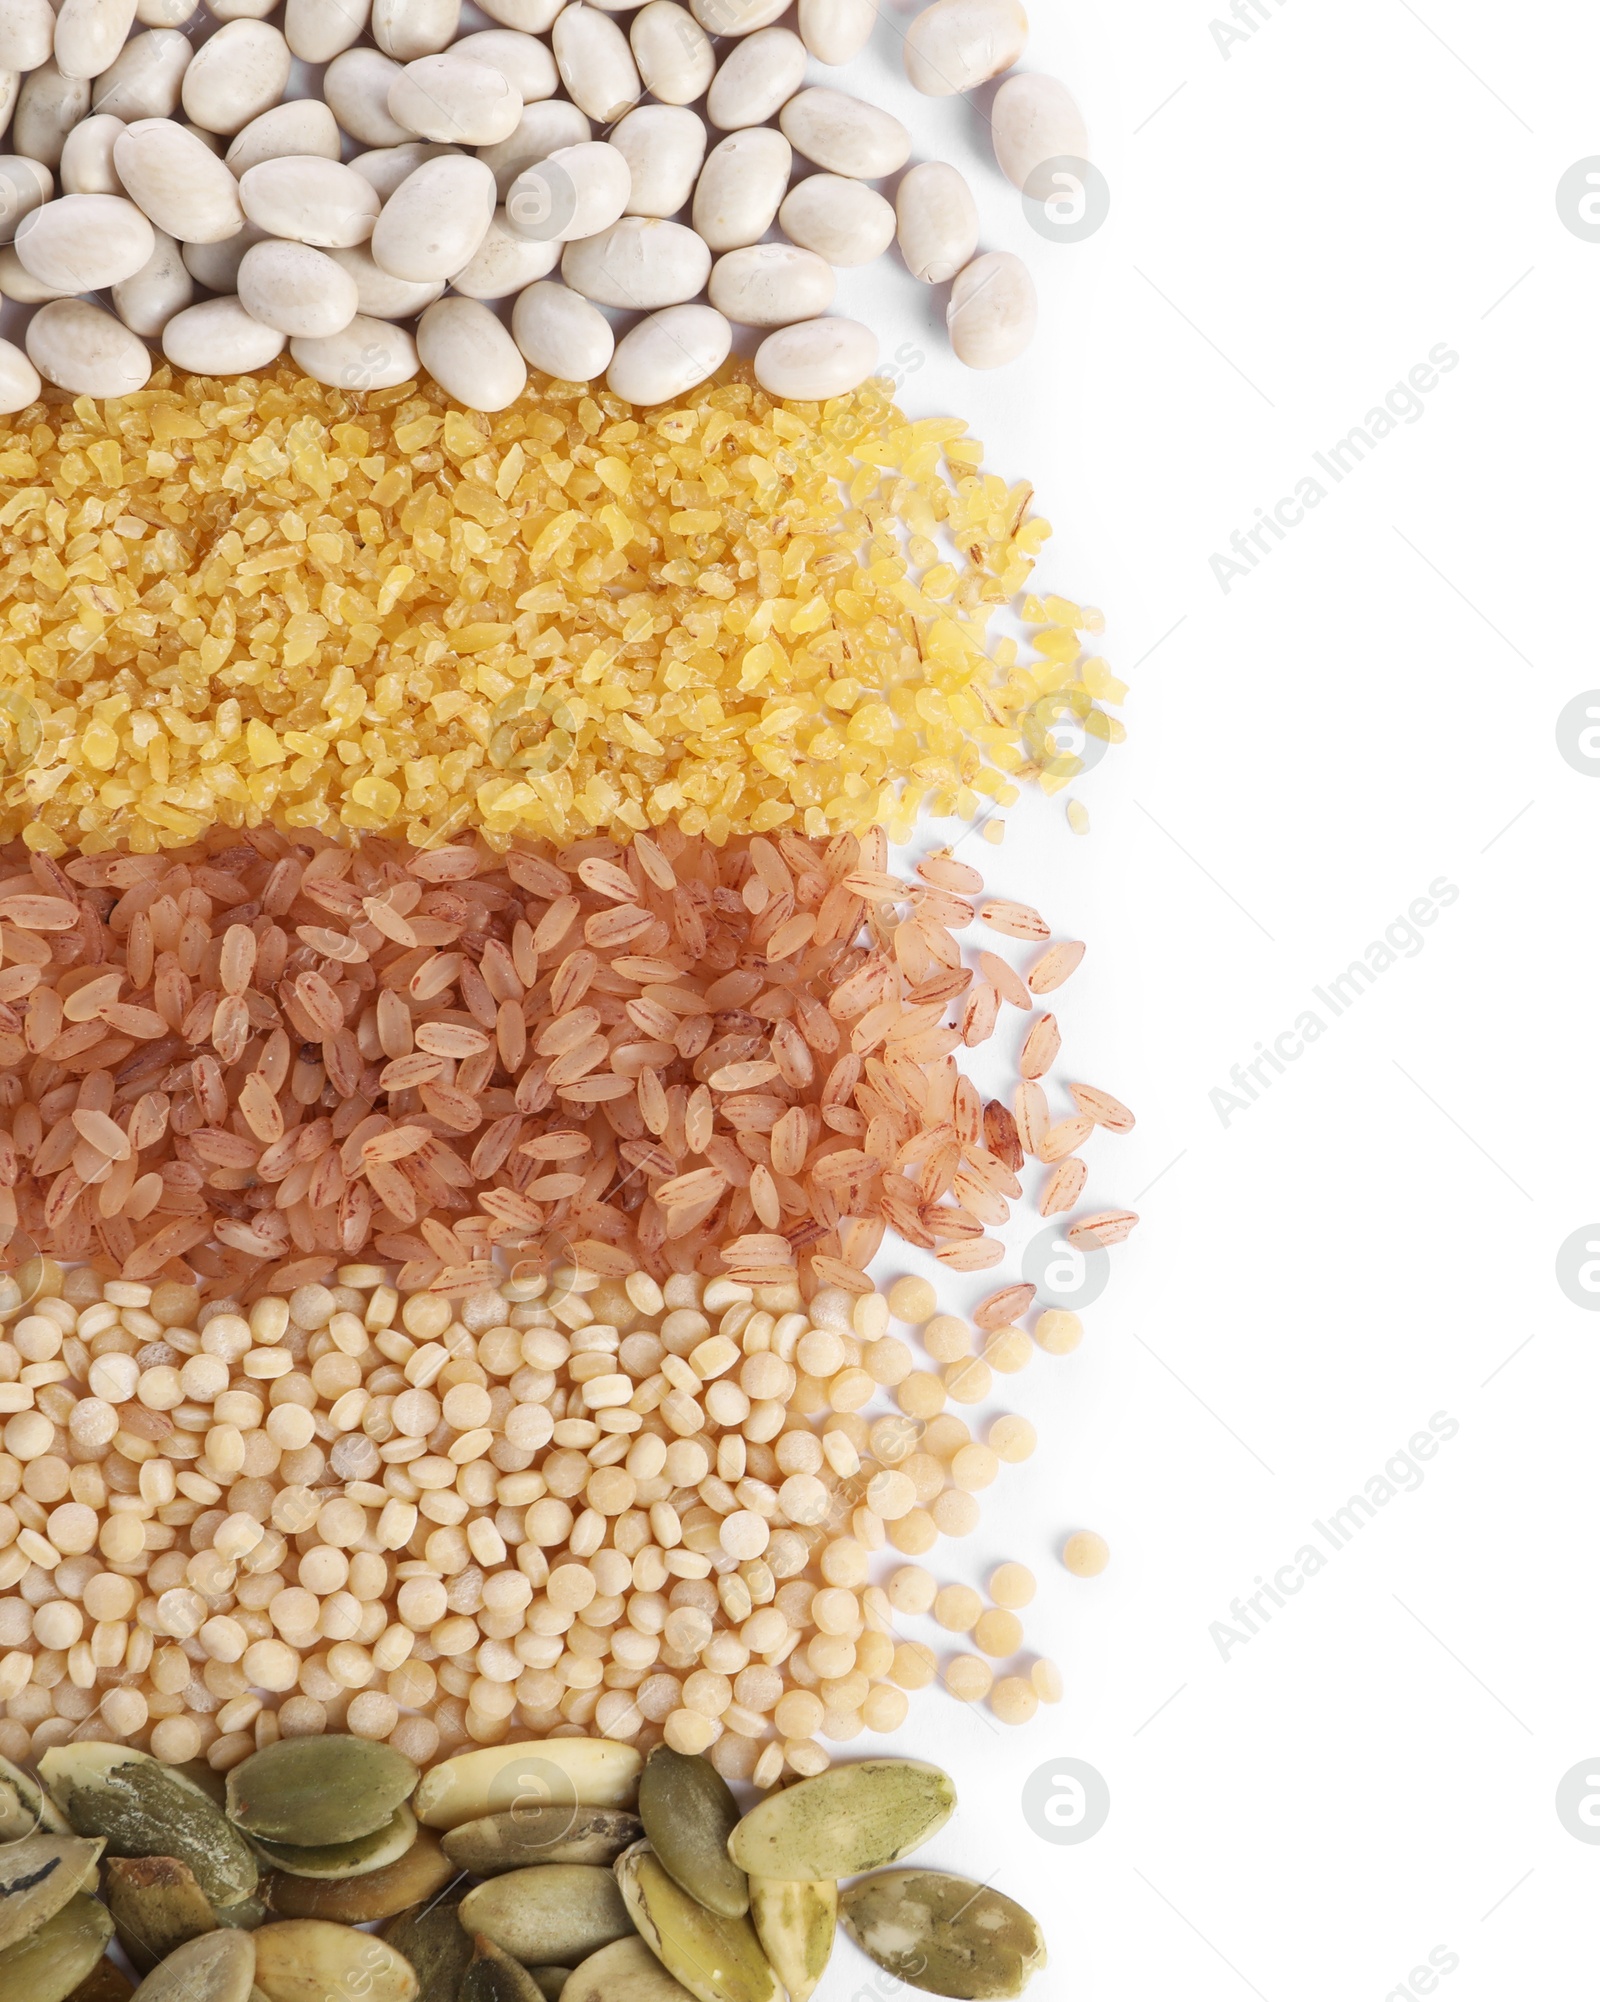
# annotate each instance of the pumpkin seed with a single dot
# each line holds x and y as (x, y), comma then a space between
(314, 1792)
(156, 1905)
(850, 1819)
(105, 1982)
(626, 1971)
(717, 1959)
(244, 1916)
(795, 1924)
(308, 1960)
(498, 1842)
(48, 1963)
(551, 1982)
(943, 1934)
(582, 1772)
(38, 1875)
(144, 1808)
(558, 1912)
(346, 1859)
(217, 1967)
(433, 1939)
(421, 1873)
(25, 1806)
(212, 1784)
(688, 1814)
(493, 1976)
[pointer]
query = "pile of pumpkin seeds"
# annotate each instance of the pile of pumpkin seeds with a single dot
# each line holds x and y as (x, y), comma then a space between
(566, 1868)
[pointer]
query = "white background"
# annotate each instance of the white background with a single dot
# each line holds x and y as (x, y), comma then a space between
(1293, 227)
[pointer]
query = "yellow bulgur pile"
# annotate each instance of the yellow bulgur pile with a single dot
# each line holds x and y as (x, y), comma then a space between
(270, 600)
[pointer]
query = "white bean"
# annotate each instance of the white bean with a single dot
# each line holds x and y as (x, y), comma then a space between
(303, 125)
(236, 76)
(85, 351)
(578, 191)
(470, 355)
(20, 285)
(432, 224)
(406, 29)
(216, 265)
(673, 52)
(369, 354)
(24, 184)
(737, 17)
(310, 200)
(90, 35)
(83, 243)
(87, 166)
(531, 17)
(836, 31)
(10, 91)
(356, 86)
(504, 263)
(457, 102)
(19, 380)
(772, 285)
(561, 333)
(665, 147)
(163, 13)
(741, 187)
(993, 310)
(525, 63)
(387, 166)
(816, 360)
(1034, 119)
(937, 222)
(756, 79)
(842, 220)
(218, 337)
(543, 129)
(319, 30)
(667, 354)
(955, 45)
(48, 106)
(595, 62)
(146, 80)
(179, 183)
(639, 263)
(27, 35)
(146, 301)
(845, 134)
(296, 289)
(379, 295)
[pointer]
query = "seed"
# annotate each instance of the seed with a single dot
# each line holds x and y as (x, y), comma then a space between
(530, 1835)
(1012, 1586)
(625, 1971)
(718, 1959)
(143, 1808)
(944, 1934)
(1085, 1554)
(585, 1772)
(558, 1912)
(38, 1875)
(851, 1819)
(217, 1967)
(48, 1963)
(411, 1879)
(493, 1976)
(307, 1960)
(688, 1813)
(312, 1793)
(795, 1923)
(25, 1806)
(356, 1858)
(156, 1905)
(433, 1941)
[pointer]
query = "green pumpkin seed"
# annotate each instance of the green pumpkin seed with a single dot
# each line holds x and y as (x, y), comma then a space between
(943, 1934)
(717, 1959)
(624, 1972)
(144, 1808)
(309, 1960)
(438, 1947)
(156, 1905)
(421, 1873)
(795, 1924)
(851, 1819)
(217, 1967)
(558, 1912)
(25, 1806)
(315, 1792)
(688, 1814)
(346, 1859)
(493, 1976)
(499, 1842)
(553, 1772)
(38, 1875)
(244, 1916)
(49, 1962)
(105, 1982)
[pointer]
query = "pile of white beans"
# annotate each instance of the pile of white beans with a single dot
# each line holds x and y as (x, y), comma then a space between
(407, 206)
